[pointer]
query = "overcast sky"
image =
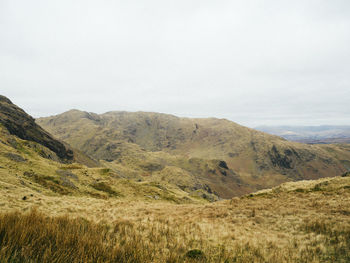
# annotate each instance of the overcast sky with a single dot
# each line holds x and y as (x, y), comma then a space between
(253, 62)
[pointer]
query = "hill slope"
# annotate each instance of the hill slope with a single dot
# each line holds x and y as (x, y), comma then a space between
(250, 160)
(307, 221)
(33, 163)
(20, 124)
(27, 175)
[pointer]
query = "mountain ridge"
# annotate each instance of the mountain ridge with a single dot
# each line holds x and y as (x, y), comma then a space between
(255, 159)
(19, 123)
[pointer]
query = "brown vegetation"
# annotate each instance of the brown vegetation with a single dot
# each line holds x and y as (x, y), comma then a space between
(307, 221)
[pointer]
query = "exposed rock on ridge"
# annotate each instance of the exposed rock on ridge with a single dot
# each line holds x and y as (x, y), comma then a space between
(20, 124)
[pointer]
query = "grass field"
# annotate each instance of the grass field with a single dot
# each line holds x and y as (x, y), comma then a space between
(308, 221)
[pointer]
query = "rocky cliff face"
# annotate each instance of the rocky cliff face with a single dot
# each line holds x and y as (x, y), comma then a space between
(20, 124)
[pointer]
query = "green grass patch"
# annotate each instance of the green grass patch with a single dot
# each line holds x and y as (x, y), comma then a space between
(101, 186)
(46, 181)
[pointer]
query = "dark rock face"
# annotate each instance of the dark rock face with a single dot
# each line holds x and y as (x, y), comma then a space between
(4, 99)
(223, 165)
(15, 157)
(152, 167)
(20, 124)
(280, 159)
(347, 174)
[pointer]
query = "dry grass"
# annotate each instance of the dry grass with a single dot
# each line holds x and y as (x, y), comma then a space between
(34, 237)
(284, 224)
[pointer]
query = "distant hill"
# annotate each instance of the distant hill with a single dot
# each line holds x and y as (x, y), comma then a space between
(324, 134)
(213, 154)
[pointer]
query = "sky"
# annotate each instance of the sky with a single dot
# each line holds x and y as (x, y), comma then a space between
(272, 62)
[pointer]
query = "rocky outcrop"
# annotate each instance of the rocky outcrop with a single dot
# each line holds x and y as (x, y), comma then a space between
(281, 160)
(20, 124)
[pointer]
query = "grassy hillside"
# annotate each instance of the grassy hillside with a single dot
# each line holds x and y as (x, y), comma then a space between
(185, 149)
(33, 155)
(28, 177)
(307, 221)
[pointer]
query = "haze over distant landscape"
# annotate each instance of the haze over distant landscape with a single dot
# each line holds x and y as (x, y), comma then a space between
(253, 62)
(310, 134)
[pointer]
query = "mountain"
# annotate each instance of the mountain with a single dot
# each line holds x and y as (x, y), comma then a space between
(34, 163)
(20, 124)
(215, 155)
(324, 134)
(205, 158)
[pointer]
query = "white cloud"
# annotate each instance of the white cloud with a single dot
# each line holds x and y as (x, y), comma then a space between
(254, 62)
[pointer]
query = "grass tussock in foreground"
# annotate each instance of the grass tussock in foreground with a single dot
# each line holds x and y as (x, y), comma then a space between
(34, 237)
